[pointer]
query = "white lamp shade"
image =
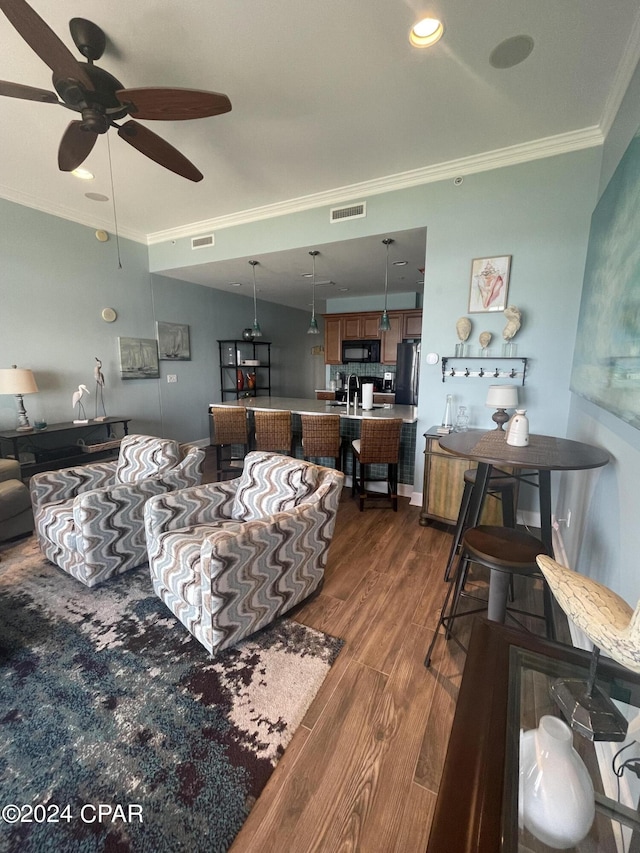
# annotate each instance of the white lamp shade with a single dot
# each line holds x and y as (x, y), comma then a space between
(502, 397)
(17, 380)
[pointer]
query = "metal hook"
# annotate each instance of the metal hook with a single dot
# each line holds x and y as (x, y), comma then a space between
(512, 375)
(497, 373)
(453, 371)
(466, 373)
(481, 373)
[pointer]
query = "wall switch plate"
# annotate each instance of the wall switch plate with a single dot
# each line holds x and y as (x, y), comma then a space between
(171, 377)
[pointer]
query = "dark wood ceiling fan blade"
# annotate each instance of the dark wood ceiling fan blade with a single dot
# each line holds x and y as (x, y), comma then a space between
(154, 147)
(75, 146)
(27, 93)
(41, 39)
(160, 103)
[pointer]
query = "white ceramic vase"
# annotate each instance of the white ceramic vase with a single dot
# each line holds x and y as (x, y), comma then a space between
(556, 802)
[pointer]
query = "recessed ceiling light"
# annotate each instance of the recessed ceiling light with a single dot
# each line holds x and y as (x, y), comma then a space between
(400, 263)
(343, 289)
(96, 196)
(307, 275)
(83, 174)
(511, 51)
(426, 32)
(235, 284)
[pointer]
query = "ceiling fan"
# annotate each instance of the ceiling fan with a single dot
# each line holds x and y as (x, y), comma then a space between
(100, 99)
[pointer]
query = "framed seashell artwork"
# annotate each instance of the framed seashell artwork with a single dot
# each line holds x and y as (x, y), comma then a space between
(489, 284)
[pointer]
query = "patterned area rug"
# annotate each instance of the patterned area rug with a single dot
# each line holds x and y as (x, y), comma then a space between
(118, 732)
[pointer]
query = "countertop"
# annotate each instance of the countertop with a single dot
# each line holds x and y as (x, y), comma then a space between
(302, 406)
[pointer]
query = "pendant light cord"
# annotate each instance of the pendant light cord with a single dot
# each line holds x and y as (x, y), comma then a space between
(113, 200)
(257, 331)
(313, 325)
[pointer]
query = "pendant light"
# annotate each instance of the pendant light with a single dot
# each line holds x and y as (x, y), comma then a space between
(385, 325)
(257, 331)
(313, 325)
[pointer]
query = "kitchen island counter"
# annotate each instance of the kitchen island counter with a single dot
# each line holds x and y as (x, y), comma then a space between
(349, 426)
(304, 406)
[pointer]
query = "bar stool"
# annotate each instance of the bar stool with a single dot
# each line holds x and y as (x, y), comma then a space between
(273, 431)
(501, 486)
(505, 551)
(229, 430)
(321, 438)
(379, 444)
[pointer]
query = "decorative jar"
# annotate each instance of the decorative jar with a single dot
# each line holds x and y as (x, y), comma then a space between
(556, 798)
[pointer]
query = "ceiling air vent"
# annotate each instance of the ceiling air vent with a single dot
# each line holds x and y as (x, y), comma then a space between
(202, 242)
(351, 211)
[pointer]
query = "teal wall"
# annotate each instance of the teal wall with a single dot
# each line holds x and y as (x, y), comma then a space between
(55, 280)
(605, 541)
(537, 212)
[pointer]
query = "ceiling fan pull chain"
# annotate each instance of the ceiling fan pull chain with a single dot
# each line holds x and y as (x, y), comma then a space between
(113, 199)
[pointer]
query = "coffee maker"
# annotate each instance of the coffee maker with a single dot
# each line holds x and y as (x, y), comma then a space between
(387, 382)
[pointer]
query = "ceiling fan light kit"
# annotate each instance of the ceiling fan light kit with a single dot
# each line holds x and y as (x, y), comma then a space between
(100, 98)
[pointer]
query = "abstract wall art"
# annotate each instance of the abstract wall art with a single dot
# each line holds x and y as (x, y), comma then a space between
(606, 361)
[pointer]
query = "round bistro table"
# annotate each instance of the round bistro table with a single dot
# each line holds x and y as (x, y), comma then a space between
(543, 454)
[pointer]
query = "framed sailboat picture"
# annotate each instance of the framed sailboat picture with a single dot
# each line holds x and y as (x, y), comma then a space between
(138, 358)
(173, 341)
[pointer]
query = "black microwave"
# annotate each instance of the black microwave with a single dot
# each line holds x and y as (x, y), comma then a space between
(362, 351)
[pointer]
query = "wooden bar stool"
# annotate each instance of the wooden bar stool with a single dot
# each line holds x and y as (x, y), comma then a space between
(273, 431)
(379, 444)
(500, 486)
(505, 551)
(229, 431)
(321, 438)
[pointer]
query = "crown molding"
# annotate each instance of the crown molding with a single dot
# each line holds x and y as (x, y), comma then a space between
(106, 224)
(550, 146)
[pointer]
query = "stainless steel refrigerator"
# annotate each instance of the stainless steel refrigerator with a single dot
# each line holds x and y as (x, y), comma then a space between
(407, 374)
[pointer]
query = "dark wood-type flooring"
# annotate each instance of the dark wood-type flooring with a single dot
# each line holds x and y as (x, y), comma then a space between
(362, 771)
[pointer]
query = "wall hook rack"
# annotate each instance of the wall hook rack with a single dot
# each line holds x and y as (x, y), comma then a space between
(509, 371)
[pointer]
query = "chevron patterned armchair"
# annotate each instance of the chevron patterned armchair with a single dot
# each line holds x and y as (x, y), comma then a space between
(90, 519)
(228, 558)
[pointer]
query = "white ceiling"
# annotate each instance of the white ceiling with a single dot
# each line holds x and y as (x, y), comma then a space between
(325, 95)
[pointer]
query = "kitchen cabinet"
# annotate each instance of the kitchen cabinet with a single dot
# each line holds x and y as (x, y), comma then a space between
(391, 339)
(443, 484)
(234, 355)
(333, 339)
(364, 326)
(325, 395)
(412, 324)
(357, 327)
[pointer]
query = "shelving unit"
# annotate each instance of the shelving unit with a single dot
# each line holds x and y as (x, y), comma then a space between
(233, 354)
(484, 367)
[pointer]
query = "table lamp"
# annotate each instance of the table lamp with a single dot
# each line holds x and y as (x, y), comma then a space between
(18, 381)
(501, 397)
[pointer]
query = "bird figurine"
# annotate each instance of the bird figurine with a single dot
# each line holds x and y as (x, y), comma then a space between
(99, 377)
(77, 401)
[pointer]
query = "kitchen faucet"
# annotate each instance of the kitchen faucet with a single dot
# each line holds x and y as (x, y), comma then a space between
(355, 376)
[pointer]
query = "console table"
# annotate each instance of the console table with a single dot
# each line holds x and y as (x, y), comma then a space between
(504, 690)
(63, 445)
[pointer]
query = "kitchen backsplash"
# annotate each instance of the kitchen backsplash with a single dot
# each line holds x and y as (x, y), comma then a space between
(362, 369)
